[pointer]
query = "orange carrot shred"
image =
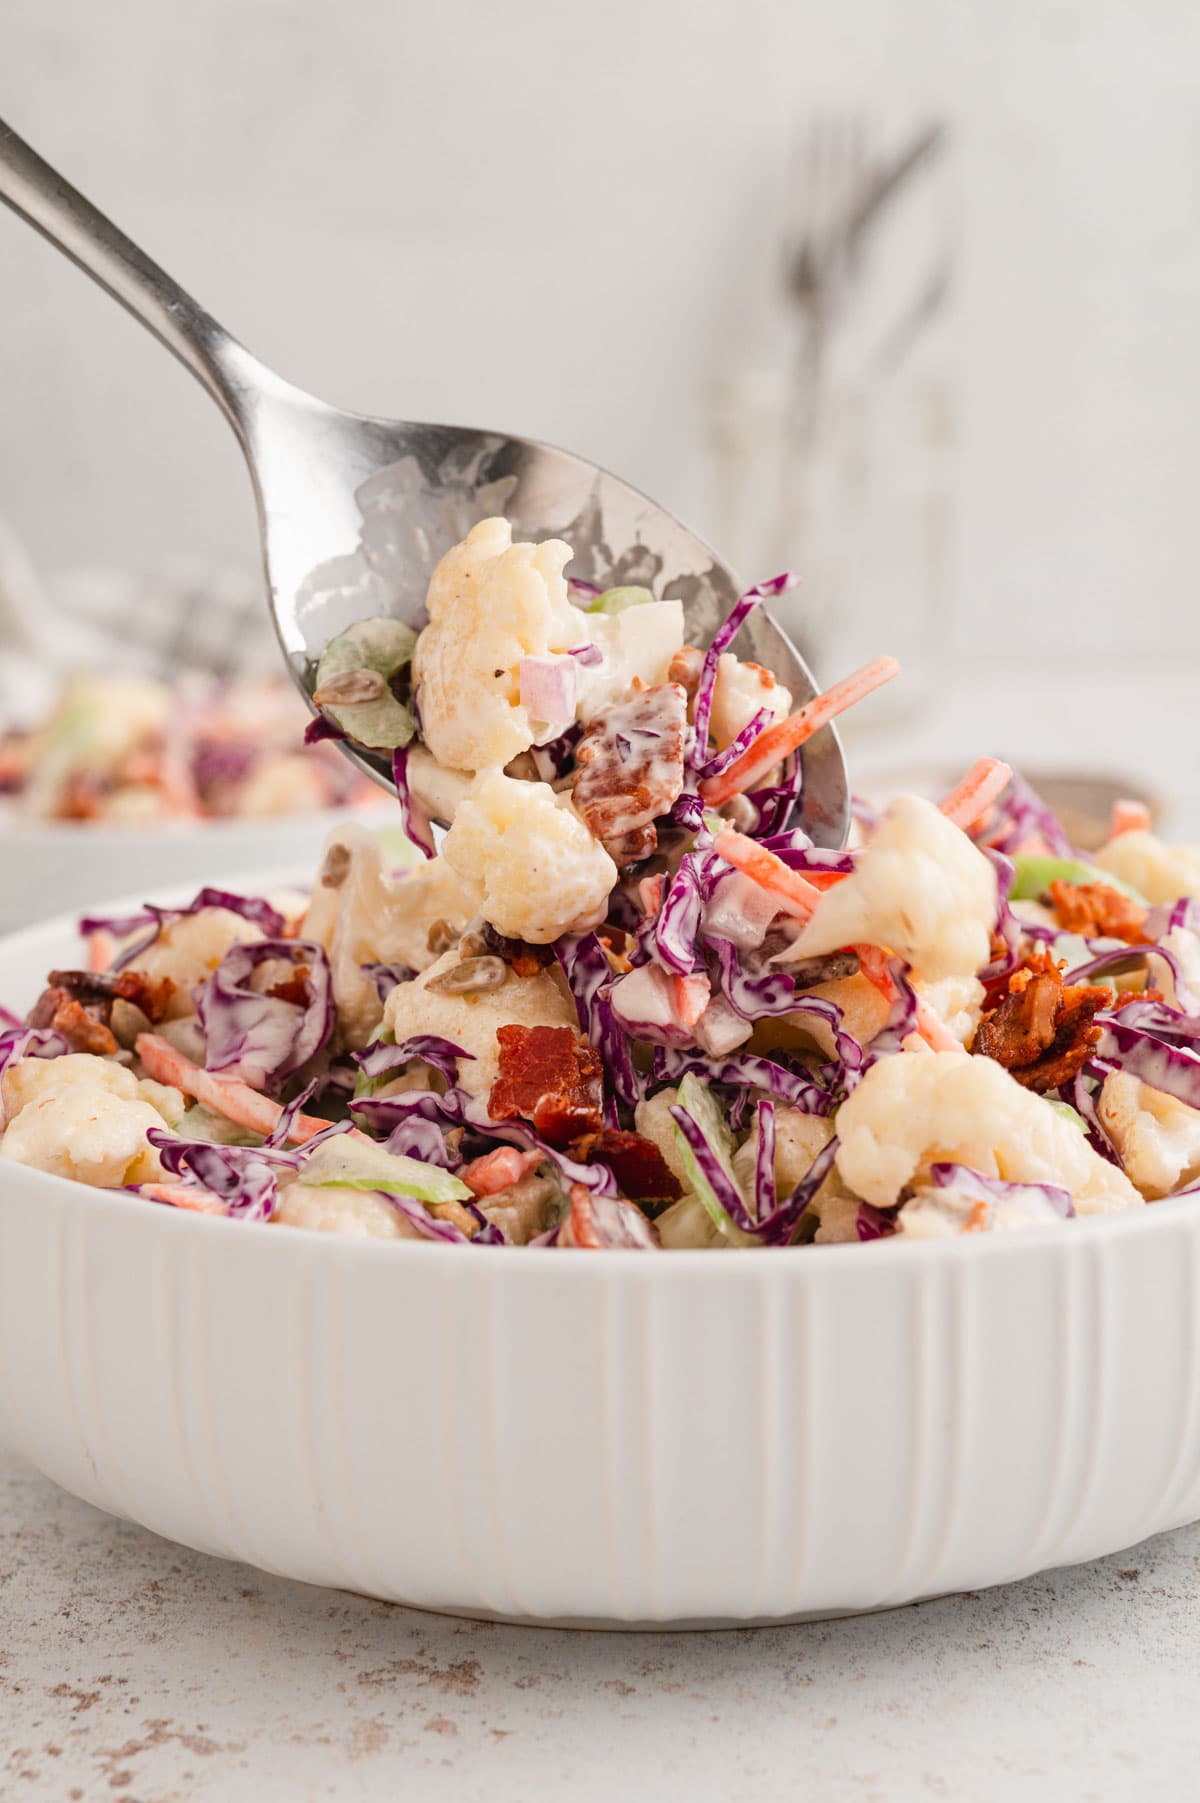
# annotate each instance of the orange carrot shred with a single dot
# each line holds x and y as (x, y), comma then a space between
(970, 799)
(100, 948)
(797, 895)
(1129, 817)
(786, 736)
(223, 1094)
(181, 1195)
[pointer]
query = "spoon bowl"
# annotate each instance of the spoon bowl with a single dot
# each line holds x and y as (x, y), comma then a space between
(355, 512)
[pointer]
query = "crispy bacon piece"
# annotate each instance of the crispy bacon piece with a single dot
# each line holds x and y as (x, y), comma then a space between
(1098, 911)
(629, 770)
(641, 1171)
(551, 1077)
(151, 995)
(1042, 1031)
(83, 1028)
(100, 989)
(1125, 996)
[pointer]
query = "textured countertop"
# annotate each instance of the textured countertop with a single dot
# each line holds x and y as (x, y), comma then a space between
(134, 1671)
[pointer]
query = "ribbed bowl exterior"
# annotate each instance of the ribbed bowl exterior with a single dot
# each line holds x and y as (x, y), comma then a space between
(610, 1437)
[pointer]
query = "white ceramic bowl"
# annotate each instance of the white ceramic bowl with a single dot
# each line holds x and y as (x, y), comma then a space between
(51, 867)
(602, 1438)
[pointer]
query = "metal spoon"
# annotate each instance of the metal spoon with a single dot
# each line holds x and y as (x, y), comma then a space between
(427, 486)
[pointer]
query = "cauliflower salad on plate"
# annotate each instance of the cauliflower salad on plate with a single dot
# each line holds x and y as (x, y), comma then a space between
(627, 1003)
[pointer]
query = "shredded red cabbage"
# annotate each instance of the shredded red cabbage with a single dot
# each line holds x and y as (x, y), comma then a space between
(243, 1176)
(958, 1182)
(1019, 819)
(764, 1162)
(253, 908)
(30, 1042)
(416, 822)
(873, 1223)
(1150, 1056)
(589, 977)
(322, 727)
(386, 976)
(380, 1057)
(721, 641)
(384, 1114)
(720, 761)
(678, 920)
(687, 811)
(786, 1085)
(265, 1037)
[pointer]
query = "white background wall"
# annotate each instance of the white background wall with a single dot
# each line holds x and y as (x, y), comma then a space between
(548, 214)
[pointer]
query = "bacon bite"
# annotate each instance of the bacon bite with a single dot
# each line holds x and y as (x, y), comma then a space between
(1042, 1031)
(1098, 911)
(551, 1078)
(641, 1171)
(629, 770)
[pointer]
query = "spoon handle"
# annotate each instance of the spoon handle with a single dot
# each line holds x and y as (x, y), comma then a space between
(53, 207)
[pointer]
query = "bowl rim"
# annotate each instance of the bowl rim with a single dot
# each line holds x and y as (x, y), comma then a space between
(953, 1249)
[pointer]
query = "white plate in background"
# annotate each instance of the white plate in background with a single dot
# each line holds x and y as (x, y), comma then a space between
(50, 867)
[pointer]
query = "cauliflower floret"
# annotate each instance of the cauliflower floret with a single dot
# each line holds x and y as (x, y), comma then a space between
(491, 603)
(738, 693)
(470, 1021)
(911, 1111)
(362, 1214)
(921, 889)
(189, 949)
(1156, 1135)
(434, 788)
(958, 1002)
(85, 1117)
(541, 871)
(1160, 872)
(636, 645)
(361, 916)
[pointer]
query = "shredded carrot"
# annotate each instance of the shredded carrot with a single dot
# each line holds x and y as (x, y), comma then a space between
(100, 947)
(691, 997)
(786, 736)
(181, 1195)
(650, 893)
(494, 1171)
(224, 1095)
(1129, 817)
(970, 799)
(797, 895)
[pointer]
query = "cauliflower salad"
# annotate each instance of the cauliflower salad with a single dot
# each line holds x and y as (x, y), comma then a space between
(628, 1003)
